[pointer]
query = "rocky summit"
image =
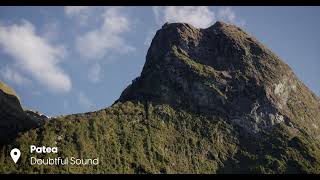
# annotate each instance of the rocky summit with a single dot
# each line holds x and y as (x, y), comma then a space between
(211, 100)
(224, 71)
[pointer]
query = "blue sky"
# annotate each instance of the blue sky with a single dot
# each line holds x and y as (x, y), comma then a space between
(65, 60)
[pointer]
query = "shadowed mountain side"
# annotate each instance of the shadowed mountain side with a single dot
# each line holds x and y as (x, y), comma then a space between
(13, 119)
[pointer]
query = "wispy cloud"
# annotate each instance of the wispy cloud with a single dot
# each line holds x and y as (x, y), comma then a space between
(75, 10)
(107, 37)
(12, 75)
(94, 74)
(84, 100)
(227, 14)
(35, 56)
(80, 12)
(198, 16)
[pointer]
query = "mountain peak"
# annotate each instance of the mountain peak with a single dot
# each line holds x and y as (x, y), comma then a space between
(209, 100)
(220, 25)
(221, 71)
(217, 24)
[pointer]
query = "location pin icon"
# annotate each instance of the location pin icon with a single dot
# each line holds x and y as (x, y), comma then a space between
(15, 154)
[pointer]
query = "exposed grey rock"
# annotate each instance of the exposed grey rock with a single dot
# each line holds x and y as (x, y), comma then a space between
(223, 71)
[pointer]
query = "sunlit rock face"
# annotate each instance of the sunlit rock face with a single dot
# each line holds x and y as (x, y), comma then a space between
(224, 71)
(209, 100)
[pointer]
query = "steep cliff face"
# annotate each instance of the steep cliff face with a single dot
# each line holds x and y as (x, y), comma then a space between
(13, 119)
(209, 100)
(224, 71)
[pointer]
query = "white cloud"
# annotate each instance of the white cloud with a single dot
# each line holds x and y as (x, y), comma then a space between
(227, 14)
(106, 38)
(80, 12)
(198, 16)
(84, 100)
(14, 76)
(76, 10)
(95, 73)
(35, 56)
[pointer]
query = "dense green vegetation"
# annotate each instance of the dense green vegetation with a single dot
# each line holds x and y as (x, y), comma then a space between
(208, 101)
(145, 138)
